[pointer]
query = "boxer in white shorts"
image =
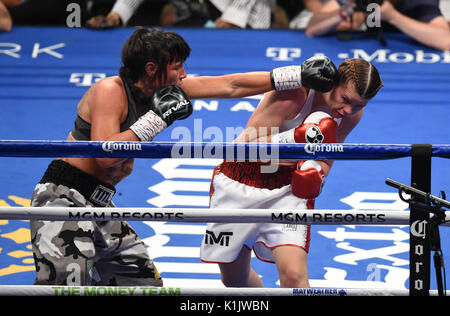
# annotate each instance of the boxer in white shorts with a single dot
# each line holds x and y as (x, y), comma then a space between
(324, 109)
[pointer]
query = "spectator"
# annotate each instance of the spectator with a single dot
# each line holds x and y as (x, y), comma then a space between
(255, 14)
(422, 20)
(335, 16)
(244, 13)
(37, 12)
(5, 18)
(295, 14)
(182, 13)
(128, 13)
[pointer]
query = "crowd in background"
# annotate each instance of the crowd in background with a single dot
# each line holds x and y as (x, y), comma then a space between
(426, 21)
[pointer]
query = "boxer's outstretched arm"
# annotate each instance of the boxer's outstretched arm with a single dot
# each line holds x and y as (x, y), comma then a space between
(227, 86)
(318, 73)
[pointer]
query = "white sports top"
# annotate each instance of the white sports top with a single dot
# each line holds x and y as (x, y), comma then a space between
(304, 112)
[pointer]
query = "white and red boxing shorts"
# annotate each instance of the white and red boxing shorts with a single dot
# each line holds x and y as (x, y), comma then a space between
(241, 185)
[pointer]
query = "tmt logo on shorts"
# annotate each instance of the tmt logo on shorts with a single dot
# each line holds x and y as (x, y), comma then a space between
(223, 239)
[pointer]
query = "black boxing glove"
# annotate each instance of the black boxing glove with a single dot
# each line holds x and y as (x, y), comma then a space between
(171, 104)
(168, 105)
(317, 73)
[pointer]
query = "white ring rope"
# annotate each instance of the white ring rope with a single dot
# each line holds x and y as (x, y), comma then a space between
(57, 290)
(284, 216)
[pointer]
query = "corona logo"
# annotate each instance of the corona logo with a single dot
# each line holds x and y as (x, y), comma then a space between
(418, 229)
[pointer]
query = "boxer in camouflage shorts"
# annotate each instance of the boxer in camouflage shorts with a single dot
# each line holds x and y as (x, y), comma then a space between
(85, 252)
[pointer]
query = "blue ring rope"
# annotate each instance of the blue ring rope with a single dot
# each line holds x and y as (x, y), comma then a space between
(244, 151)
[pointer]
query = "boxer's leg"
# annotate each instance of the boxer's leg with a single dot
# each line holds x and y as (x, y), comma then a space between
(292, 266)
(63, 250)
(122, 257)
(239, 272)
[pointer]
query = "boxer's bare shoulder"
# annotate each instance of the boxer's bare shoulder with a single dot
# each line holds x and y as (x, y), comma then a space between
(109, 91)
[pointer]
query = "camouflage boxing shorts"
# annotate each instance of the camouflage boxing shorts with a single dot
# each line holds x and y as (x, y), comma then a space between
(85, 252)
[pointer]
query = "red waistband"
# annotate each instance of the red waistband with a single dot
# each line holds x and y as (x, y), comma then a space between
(249, 173)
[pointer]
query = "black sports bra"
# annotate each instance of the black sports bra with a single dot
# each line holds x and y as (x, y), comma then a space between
(82, 129)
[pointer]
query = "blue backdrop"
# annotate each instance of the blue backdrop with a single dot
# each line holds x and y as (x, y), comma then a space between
(44, 72)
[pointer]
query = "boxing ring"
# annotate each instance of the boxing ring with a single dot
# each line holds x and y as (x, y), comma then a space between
(44, 72)
(426, 213)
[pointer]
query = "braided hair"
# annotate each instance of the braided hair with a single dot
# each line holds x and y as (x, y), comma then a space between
(362, 74)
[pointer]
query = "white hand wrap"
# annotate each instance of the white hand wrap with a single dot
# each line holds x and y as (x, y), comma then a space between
(148, 126)
(285, 78)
